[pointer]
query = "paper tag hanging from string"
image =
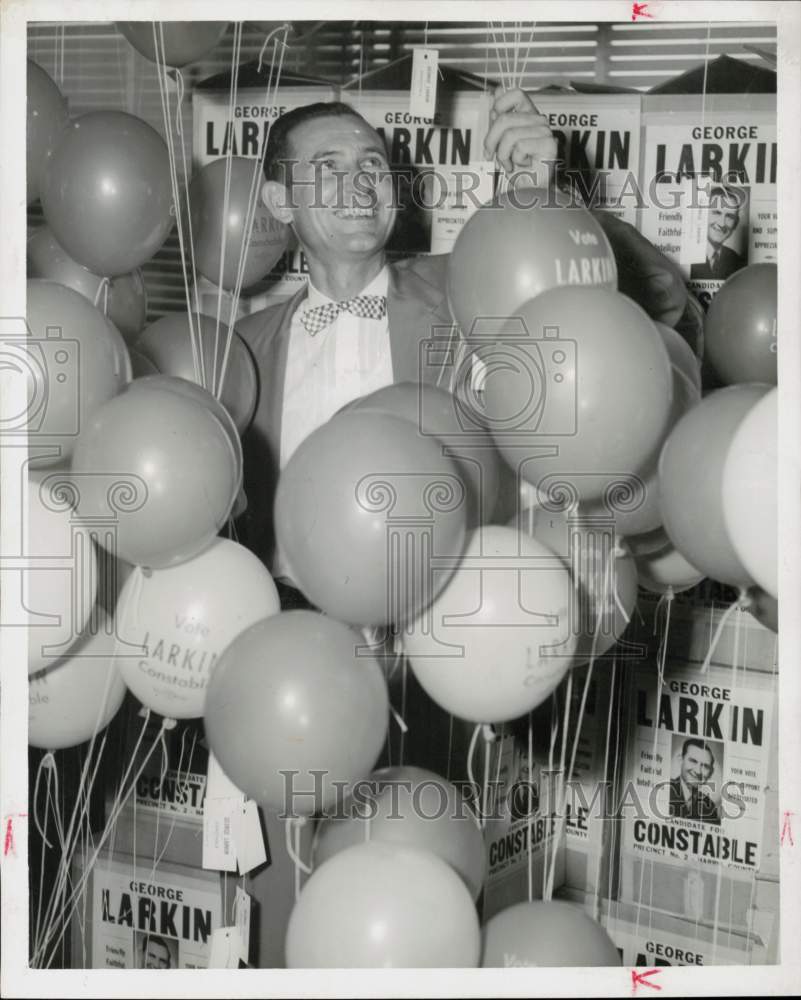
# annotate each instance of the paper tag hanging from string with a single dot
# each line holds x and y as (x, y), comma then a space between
(225, 949)
(242, 922)
(423, 96)
(250, 849)
(694, 219)
(222, 819)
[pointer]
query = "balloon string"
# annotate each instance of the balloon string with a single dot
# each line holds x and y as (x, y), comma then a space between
(188, 214)
(101, 289)
(253, 199)
(718, 632)
(596, 896)
(162, 776)
(450, 748)
(526, 57)
(178, 780)
(562, 764)
(86, 783)
(47, 763)
(618, 553)
(489, 738)
(69, 841)
(498, 763)
(161, 73)
(551, 748)
(229, 161)
(530, 859)
(661, 658)
(286, 27)
(293, 826)
(396, 715)
(470, 776)
(73, 899)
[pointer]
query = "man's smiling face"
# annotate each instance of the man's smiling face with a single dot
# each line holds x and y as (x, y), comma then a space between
(343, 191)
(696, 766)
(723, 219)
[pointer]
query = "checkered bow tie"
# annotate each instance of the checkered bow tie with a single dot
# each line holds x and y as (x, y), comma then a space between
(366, 306)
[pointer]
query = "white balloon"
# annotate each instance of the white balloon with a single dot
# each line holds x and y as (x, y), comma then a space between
(411, 806)
(665, 570)
(178, 621)
(379, 905)
(52, 588)
(77, 697)
(497, 640)
(750, 490)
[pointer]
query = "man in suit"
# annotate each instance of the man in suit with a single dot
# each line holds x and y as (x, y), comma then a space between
(724, 217)
(359, 324)
(687, 801)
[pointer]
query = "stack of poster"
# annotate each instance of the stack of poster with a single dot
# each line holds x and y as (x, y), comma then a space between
(708, 184)
(693, 795)
(521, 826)
(441, 172)
(139, 916)
(161, 825)
(214, 133)
(598, 138)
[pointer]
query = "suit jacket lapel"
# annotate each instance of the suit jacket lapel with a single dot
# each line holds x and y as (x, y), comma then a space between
(415, 308)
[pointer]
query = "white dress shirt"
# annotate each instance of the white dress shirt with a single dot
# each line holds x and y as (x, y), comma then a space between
(349, 358)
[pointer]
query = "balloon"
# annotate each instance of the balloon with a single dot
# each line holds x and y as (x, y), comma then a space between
(667, 571)
(436, 413)
(681, 354)
(691, 482)
(764, 608)
(750, 492)
(53, 595)
(416, 808)
(740, 332)
(268, 240)
(124, 301)
(182, 619)
(191, 390)
(379, 905)
(293, 693)
(165, 467)
(168, 344)
(342, 513)
(75, 363)
(497, 640)
(78, 696)
(179, 42)
(520, 244)
(578, 390)
(636, 512)
(547, 935)
(106, 192)
(47, 116)
(585, 546)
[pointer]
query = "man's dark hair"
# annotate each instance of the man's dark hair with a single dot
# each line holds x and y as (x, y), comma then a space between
(697, 743)
(728, 193)
(278, 144)
(148, 938)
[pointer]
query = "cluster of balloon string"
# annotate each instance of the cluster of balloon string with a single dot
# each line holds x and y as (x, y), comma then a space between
(214, 380)
(66, 894)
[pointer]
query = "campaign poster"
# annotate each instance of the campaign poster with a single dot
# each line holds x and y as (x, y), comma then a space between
(708, 184)
(598, 146)
(693, 796)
